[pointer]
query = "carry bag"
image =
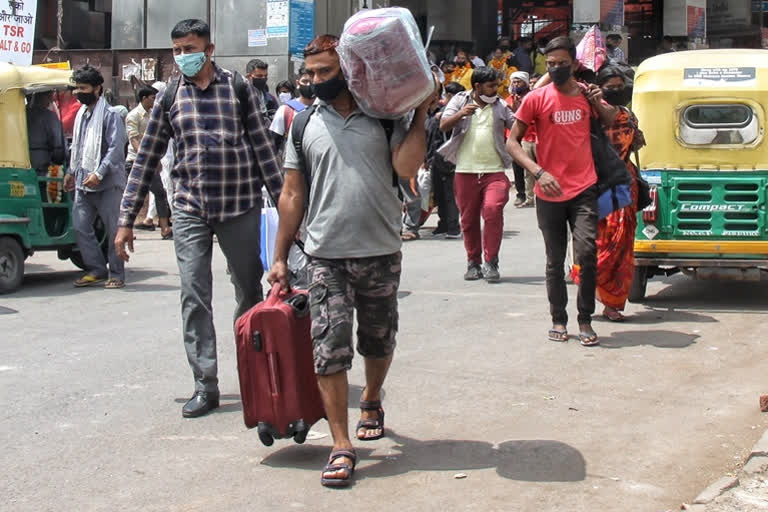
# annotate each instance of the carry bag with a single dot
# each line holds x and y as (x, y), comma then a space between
(613, 177)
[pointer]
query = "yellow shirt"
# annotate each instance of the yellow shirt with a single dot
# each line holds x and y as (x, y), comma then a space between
(477, 154)
(463, 76)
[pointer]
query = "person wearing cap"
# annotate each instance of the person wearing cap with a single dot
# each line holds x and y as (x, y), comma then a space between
(524, 182)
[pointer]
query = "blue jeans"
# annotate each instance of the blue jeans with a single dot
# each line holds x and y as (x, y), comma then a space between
(239, 239)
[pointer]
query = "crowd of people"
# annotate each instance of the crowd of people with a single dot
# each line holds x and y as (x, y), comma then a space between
(208, 143)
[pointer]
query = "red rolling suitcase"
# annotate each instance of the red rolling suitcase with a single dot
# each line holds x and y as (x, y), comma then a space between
(278, 386)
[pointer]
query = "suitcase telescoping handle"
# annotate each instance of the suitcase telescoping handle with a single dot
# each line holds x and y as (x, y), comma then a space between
(274, 370)
(274, 373)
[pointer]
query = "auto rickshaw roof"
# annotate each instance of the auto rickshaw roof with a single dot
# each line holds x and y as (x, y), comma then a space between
(677, 70)
(32, 78)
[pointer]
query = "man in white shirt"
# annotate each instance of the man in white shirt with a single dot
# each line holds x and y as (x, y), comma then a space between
(281, 124)
(135, 126)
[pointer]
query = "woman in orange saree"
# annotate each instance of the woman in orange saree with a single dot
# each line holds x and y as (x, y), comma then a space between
(616, 232)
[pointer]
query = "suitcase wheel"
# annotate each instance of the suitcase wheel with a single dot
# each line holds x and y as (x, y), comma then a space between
(300, 432)
(264, 435)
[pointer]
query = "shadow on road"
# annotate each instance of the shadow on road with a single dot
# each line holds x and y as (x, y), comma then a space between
(522, 460)
(653, 316)
(59, 284)
(685, 293)
(655, 338)
(538, 280)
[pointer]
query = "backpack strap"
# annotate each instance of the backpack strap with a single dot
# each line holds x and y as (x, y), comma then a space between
(389, 130)
(296, 105)
(241, 91)
(169, 98)
(298, 128)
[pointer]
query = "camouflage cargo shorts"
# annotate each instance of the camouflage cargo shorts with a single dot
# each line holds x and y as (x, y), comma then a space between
(339, 287)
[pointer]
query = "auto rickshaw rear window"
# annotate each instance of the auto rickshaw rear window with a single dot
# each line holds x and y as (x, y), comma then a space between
(719, 124)
(718, 116)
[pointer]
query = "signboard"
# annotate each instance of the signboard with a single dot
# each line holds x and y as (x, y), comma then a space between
(697, 22)
(586, 11)
(257, 37)
(277, 18)
(612, 12)
(17, 31)
(56, 65)
(719, 77)
(302, 27)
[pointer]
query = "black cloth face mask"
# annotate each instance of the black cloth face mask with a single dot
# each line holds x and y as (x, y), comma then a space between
(86, 98)
(560, 74)
(330, 89)
(306, 91)
(618, 97)
(260, 83)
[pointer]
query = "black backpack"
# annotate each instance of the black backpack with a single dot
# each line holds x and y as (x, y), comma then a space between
(298, 128)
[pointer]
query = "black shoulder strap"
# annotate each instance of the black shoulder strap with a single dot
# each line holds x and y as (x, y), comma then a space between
(389, 130)
(298, 128)
(169, 98)
(241, 91)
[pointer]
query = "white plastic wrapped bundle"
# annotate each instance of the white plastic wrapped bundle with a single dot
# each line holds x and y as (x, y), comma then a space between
(384, 62)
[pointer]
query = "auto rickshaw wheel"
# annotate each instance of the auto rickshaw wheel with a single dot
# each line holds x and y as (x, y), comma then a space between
(639, 284)
(101, 236)
(11, 264)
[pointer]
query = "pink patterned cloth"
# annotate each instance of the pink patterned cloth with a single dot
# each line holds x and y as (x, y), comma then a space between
(384, 62)
(591, 52)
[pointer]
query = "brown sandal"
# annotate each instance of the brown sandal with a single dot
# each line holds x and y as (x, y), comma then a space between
(114, 284)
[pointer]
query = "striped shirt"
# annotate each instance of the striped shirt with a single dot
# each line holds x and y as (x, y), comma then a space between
(220, 168)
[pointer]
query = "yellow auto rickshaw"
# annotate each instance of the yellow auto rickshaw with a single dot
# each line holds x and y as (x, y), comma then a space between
(703, 114)
(35, 213)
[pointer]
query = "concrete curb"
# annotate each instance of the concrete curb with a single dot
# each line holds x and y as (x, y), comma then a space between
(716, 489)
(757, 462)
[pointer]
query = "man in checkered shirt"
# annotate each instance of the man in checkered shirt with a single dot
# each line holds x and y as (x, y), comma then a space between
(220, 168)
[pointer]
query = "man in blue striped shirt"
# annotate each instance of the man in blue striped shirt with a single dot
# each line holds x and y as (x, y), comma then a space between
(220, 168)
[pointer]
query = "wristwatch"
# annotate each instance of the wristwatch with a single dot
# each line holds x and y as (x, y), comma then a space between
(538, 174)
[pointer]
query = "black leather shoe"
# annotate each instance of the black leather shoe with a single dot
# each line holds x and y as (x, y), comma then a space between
(200, 404)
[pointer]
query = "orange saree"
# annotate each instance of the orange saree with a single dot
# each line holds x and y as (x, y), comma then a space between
(616, 232)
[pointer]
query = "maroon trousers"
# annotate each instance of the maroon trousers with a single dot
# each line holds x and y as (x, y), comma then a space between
(482, 195)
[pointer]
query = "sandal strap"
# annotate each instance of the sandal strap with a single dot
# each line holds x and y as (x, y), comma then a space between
(333, 468)
(370, 405)
(342, 453)
(368, 424)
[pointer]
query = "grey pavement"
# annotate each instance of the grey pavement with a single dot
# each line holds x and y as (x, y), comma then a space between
(93, 382)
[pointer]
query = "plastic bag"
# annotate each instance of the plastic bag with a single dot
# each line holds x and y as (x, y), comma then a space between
(384, 62)
(591, 52)
(424, 182)
(269, 223)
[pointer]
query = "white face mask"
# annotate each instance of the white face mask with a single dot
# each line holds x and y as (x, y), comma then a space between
(489, 99)
(285, 97)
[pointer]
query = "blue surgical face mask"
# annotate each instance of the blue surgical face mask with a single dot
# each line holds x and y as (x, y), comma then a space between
(190, 64)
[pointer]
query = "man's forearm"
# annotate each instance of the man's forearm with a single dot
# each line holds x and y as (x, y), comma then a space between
(410, 155)
(291, 209)
(607, 114)
(449, 123)
(521, 157)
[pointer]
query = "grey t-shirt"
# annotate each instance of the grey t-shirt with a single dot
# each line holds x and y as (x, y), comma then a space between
(354, 210)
